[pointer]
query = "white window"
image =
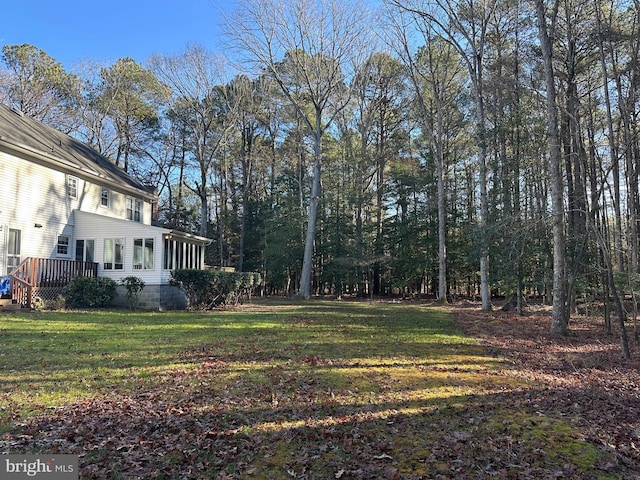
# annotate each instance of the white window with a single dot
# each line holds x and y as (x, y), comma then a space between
(143, 253)
(72, 187)
(134, 209)
(113, 255)
(85, 250)
(104, 197)
(13, 250)
(63, 245)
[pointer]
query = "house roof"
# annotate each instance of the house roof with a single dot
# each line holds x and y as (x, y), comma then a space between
(25, 135)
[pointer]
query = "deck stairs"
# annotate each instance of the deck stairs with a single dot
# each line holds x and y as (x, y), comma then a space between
(8, 305)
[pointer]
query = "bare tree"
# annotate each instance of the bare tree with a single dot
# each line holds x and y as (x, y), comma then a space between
(310, 48)
(197, 80)
(93, 124)
(464, 25)
(435, 71)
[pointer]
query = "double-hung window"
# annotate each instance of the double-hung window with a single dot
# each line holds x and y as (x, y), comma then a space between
(63, 246)
(134, 209)
(72, 187)
(104, 197)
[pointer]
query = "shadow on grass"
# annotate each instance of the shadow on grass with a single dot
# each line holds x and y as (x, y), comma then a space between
(513, 434)
(317, 390)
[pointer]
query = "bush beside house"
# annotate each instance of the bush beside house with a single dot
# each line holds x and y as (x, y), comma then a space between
(204, 289)
(90, 292)
(193, 289)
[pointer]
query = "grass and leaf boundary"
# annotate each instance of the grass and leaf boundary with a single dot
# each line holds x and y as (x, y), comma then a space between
(289, 390)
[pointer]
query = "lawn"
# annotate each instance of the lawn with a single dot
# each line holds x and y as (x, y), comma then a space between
(275, 389)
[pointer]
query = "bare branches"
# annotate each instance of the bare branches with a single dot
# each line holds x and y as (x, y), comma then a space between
(196, 77)
(311, 48)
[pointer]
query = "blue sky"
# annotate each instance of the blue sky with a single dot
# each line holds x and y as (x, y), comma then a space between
(103, 31)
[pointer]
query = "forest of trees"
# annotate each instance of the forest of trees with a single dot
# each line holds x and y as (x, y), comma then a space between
(443, 147)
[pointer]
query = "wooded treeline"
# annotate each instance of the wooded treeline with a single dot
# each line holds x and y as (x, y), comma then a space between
(454, 148)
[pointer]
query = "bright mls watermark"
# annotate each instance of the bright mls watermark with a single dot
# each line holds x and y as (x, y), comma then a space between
(49, 467)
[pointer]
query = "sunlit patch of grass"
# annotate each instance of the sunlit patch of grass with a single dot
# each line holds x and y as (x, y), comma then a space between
(562, 441)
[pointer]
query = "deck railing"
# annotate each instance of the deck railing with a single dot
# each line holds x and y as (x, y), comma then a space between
(21, 292)
(46, 273)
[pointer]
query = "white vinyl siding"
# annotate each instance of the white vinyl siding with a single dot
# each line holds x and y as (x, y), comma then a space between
(47, 192)
(44, 213)
(42, 209)
(99, 227)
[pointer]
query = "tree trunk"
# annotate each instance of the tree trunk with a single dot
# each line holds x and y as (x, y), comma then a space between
(247, 174)
(476, 71)
(305, 276)
(485, 294)
(379, 240)
(624, 339)
(613, 144)
(560, 318)
(442, 236)
(442, 204)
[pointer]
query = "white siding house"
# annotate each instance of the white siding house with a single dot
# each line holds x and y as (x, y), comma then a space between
(63, 201)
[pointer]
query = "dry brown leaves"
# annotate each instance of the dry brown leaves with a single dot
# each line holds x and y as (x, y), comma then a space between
(584, 374)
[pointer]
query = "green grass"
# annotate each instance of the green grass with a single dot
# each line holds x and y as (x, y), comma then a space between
(313, 389)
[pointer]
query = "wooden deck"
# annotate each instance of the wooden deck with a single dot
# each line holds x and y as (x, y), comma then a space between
(46, 278)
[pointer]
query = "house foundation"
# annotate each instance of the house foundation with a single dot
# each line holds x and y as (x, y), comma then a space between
(153, 297)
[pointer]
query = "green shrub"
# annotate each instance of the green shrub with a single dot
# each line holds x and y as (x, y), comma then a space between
(134, 286)
(91, 292)
(212, 288)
